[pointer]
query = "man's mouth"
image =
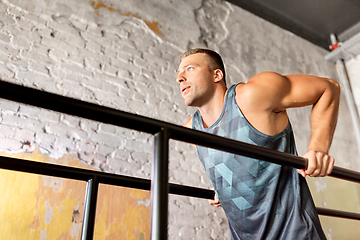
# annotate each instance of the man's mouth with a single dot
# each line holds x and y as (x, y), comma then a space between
(184, 89)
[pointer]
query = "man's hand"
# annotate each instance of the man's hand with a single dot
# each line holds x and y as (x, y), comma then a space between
(215, 202)
(320, 164)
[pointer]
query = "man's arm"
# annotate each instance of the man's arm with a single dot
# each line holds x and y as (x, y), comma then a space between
(273, 93)
(216, 201)
(188, 123)
(323, 122)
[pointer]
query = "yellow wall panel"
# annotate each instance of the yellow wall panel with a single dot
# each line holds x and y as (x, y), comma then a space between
(42, 207)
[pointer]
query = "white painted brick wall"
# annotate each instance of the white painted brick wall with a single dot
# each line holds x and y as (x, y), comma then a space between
(119, 62)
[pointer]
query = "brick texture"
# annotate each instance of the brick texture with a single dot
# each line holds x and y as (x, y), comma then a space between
(121, 63)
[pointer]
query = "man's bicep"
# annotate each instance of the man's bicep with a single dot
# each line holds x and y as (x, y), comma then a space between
(264, 92)
(271, 91)
(304, 90)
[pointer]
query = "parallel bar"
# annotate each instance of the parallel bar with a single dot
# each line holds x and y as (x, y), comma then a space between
(107, 115)
(72, 173)
(249, 150)
(131, 182)
(78, 108)
(337, 213)
(191, 191)
(159, 186)
(88, 224)
(106, 178)
(123, 119)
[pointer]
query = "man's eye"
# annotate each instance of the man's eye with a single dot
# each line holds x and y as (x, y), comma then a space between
(190, 68)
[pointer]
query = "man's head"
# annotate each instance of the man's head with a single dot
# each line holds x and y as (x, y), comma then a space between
(214, 60)
(200, 76)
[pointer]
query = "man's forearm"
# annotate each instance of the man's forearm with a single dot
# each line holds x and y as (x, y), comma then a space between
(324, 118)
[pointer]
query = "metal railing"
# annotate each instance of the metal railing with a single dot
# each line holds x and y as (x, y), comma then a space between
(163, 132)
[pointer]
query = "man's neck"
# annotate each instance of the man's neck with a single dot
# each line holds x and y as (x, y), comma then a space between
(211, 111)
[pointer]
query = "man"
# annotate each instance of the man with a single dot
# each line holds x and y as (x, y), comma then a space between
(261, 200)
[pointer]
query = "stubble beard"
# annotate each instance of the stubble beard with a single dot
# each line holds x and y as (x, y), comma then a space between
(193, 99)
(190, 101)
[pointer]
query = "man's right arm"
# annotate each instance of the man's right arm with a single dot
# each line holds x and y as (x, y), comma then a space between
(188, 123)
(216, 201)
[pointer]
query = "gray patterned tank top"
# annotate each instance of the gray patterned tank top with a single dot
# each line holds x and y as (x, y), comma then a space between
(261, 200)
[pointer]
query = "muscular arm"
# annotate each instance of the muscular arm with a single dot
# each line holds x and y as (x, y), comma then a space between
(216, 201)
(324, 95)
(271, 94)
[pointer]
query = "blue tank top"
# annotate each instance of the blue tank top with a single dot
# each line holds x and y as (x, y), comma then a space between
(261, 200)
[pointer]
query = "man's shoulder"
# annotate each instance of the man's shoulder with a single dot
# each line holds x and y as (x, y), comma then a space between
(265, 78)
(260, 92)
(259, 84)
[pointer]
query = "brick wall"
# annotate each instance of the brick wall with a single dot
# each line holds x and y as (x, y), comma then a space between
(101, 54)
(110, 66)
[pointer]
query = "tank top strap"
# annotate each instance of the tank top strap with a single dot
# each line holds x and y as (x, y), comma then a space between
(197, 119)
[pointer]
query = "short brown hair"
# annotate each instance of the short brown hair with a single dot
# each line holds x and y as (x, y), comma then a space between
(215, 61)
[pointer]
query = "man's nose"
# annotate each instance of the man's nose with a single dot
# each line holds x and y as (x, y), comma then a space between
(180, 77)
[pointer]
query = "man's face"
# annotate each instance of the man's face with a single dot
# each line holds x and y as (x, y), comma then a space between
(196, 80)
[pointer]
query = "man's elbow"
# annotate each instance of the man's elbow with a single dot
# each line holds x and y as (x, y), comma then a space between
(334, 86)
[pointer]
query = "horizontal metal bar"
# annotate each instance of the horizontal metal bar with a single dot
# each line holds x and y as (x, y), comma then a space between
(124, 181)
(336, 213)
(78, 108)
(253, 151)
(107, 115)
(96, 112)
(105, 178)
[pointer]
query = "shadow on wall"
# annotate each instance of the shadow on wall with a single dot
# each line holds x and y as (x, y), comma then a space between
(42, 207)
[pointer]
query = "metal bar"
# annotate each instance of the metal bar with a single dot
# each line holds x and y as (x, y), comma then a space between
(350, 100)
(106, 178)
(88, 224)
(107, 115)
(337, 213)
(95, 112)
(253, 151)
(78, 108)
(191, 191)
(159, 186)
(124, 181)
(72, 173)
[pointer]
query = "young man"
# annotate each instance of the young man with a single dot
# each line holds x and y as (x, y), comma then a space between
(261, 200)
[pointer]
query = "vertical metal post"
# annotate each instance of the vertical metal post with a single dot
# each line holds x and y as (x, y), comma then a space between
(346, 87)
(349, 96)
(160, 186)
(90, 209)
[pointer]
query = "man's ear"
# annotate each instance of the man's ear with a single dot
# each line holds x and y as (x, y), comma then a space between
(218, 75)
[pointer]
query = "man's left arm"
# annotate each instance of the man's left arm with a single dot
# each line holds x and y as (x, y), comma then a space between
(273, 93)
(325, 94)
